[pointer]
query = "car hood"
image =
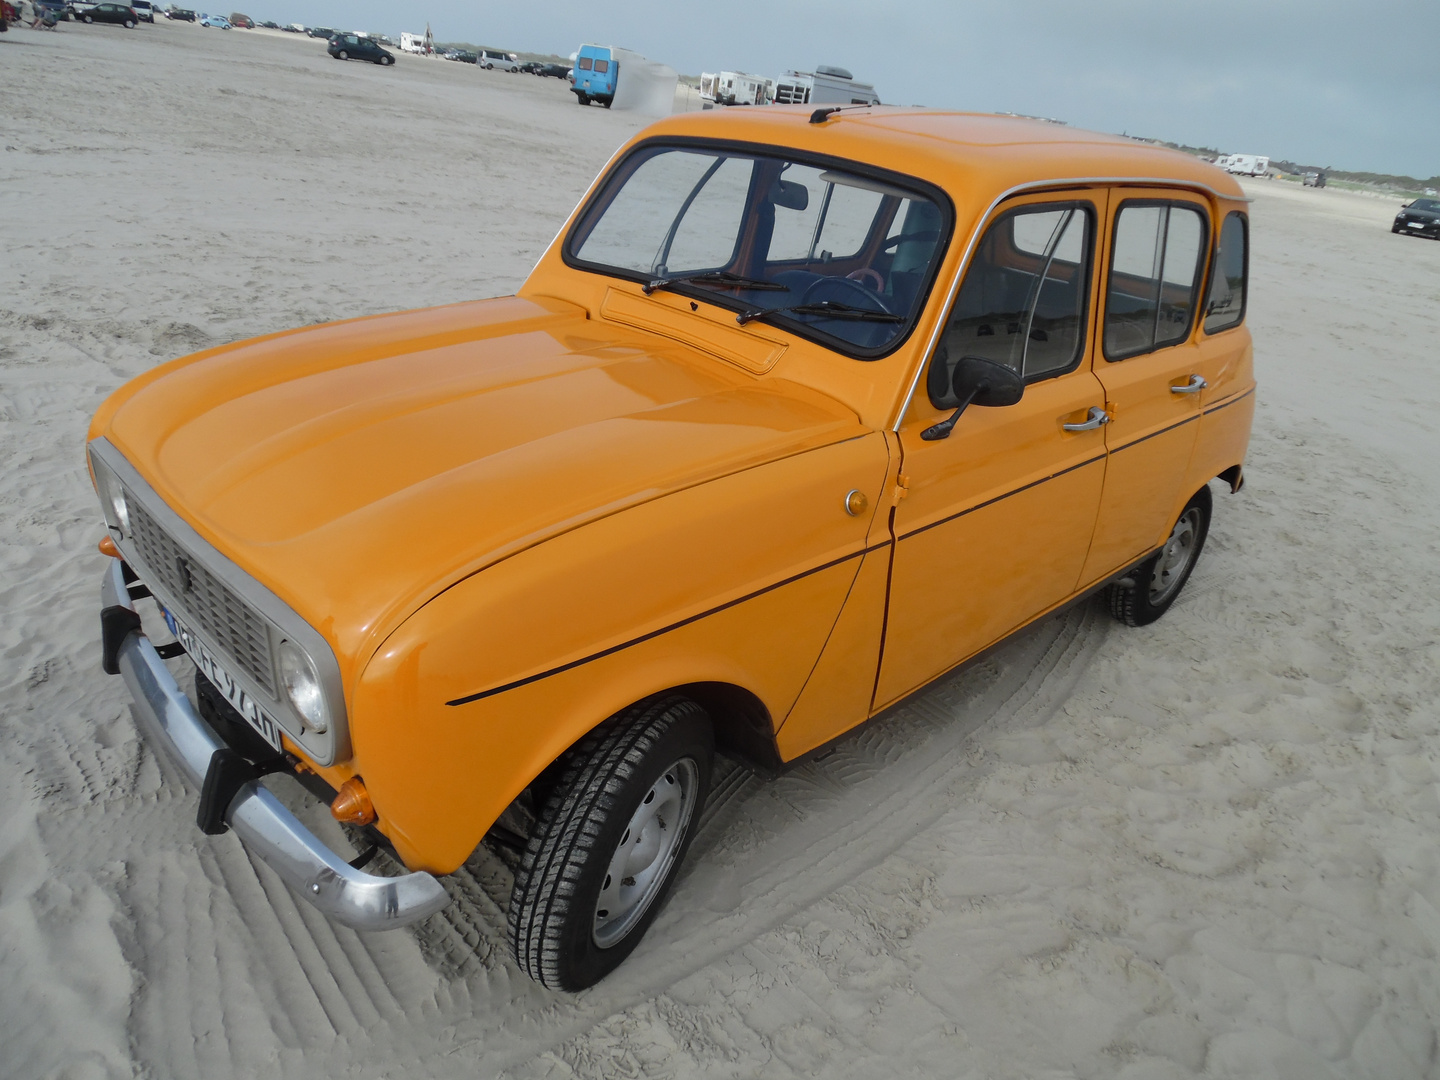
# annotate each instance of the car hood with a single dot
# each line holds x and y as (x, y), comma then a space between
(1419, 215)
(358, 469)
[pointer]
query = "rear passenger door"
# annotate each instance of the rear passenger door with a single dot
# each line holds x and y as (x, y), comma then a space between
(1150, 366)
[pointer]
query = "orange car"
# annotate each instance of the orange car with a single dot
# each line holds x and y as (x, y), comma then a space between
(800, 412)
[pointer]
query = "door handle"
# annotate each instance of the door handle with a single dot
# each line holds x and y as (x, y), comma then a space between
(1196, 384)
(1097, 418)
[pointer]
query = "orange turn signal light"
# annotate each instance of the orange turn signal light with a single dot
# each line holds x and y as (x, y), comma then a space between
(107, 547)
(352, 804)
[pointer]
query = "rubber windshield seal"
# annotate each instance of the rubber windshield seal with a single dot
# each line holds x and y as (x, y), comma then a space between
(599, 200)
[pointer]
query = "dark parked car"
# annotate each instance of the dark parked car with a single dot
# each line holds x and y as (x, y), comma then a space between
(242, 22)
(1314, 179)
(462, 56)
(354, 47)
(321, 32)
(1419, 218)
(111, 13)
(181, 14)
(555, 71)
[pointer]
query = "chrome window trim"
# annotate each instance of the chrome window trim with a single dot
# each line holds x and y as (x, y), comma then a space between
(1033, 187)
(325, 749)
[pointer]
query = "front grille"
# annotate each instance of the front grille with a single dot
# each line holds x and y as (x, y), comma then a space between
(202, 599)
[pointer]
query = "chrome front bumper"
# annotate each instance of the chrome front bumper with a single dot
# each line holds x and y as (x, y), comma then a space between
(167, 719)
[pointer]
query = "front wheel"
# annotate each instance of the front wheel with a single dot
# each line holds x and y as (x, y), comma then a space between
(385, 61)
(88, 19)
(608, 842)
(1149, 591)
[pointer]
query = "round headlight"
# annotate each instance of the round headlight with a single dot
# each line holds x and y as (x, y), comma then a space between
(302, 686)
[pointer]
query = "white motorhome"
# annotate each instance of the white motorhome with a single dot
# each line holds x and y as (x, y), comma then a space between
(412, 43)
(735, 88)
(824, 86)
(1244, 164)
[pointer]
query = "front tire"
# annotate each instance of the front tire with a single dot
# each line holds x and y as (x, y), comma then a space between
(386, 61)
(1153, 587)
(608, 842)
(88, 19)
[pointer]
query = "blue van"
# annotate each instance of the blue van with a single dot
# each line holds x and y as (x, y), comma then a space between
(596, 73)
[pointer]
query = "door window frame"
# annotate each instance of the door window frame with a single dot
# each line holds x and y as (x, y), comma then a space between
(1198, 283)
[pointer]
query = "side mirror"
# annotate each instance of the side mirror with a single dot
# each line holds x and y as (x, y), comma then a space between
(977, 381)
(791, 194)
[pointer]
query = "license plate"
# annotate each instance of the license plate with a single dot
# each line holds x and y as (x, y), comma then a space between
(1416, 224)
(234, 693)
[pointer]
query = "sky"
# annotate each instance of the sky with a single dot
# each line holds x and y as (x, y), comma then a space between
(1351, 85)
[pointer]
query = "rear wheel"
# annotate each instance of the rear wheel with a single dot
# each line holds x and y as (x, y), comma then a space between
(342, 55)
(608, 842)
(1150, 590)
(583, 99)
(129, 24)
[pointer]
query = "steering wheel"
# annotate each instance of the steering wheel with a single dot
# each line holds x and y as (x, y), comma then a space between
(865, 275)
(847, 290)
(925, 234)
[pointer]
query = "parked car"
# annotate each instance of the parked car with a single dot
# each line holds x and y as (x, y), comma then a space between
(1315, 179)
(294, 28)
(354, 47)
(320, 32)
(797, 414)
(554, 71)
(180, 14)
(218, 22)
(463, 56)
(244, 22)
(1419, 218)
(144, 10)
(119, 14)
(490, 58)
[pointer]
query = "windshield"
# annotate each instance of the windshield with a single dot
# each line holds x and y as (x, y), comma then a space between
(1425, 204)
(842, 257)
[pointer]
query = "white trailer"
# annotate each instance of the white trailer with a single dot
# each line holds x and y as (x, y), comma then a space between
(735, 88)
(412, 43)
(1245, 164)
(823, 86)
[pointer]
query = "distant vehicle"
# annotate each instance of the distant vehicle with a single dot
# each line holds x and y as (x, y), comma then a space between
(355, 47)
(1419, 218)
(1244, 164)
(825, 85)
(269, 25)
(492, 58)
(76, 8)
(321, 32)
(244, 22)
(119, 14)
(294, 28)
(218, 22)
(463, 56)
(180, 14)
(1314, 179)
(144, 9)
(595, 75)
(735, 88)
(531, 67)
(413, 43)
(554, 71)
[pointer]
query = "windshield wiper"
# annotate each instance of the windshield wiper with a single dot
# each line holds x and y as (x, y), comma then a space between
(830, 309)
(718, 277)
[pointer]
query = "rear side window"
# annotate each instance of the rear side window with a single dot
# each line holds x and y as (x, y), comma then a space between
(1025, 297)
(1155, 266)
(584, 63)
(1225, 306)
(602, 66)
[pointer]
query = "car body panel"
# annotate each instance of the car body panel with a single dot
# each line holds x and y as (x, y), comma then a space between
(512, 518)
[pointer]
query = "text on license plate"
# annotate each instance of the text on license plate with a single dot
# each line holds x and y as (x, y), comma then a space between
(234, 693)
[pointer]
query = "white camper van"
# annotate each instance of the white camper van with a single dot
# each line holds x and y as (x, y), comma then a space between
(1245, 164)
(824, 86)
(735, 88)
(412, 43)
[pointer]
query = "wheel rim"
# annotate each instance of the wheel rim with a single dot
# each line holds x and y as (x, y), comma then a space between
(647, 849)
(1175, 558)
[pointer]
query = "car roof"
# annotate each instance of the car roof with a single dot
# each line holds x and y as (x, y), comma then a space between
(979, 152)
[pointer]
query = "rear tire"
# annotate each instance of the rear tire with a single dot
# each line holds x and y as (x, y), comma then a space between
(583, 99)
(1158, 581)
(129, 24)
(624, 806)
(342, 55)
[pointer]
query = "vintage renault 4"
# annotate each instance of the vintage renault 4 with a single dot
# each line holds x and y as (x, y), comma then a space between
(800, 411)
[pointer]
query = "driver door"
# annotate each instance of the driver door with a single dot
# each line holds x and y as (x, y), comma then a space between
(995, 520)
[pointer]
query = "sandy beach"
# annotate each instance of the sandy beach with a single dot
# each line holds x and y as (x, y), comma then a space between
(1202, 849)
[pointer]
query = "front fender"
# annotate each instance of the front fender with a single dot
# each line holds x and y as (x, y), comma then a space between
(736, 581)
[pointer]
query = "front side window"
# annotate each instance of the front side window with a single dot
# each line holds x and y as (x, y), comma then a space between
(1024, 299)
(840, 255)
(1155, 266)
(1225, 306)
